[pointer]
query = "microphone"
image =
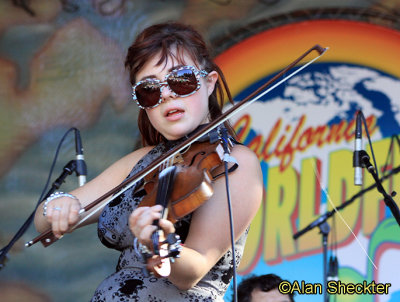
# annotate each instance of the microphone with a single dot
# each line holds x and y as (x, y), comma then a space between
(357, 148)
(81, 170)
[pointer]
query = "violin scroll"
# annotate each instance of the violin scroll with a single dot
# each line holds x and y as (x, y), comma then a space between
(158, 262)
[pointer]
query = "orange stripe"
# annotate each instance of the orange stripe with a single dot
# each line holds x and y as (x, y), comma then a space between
(348, 41)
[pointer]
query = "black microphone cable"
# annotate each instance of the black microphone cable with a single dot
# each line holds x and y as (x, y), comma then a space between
(390, 150)
(224, 137)
(388, 198)
(4, 251)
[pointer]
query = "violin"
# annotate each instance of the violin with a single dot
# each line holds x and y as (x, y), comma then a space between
(180, 187)
(179, 207)
(192, 180)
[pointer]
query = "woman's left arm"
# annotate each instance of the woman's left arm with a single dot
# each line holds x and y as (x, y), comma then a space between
(209, 235)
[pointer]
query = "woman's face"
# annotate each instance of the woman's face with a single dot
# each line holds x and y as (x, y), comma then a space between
(177, 116)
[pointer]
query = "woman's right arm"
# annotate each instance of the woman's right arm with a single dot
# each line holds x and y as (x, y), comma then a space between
(63, 212)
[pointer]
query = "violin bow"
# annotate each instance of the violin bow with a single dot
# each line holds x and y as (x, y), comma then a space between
(47, 237)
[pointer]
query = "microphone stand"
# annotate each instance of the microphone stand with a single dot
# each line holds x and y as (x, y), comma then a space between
(388, 199)
(324, 230)
(68, 169)
(321, 221)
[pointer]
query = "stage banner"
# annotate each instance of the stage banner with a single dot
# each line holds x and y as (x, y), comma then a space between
(303, 134)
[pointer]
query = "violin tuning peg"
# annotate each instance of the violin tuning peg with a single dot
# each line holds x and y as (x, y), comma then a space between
(173, 238)
(175, 247)
(174, 254)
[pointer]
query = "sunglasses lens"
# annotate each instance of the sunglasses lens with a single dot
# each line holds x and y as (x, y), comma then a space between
(182, 82)
(148, 93)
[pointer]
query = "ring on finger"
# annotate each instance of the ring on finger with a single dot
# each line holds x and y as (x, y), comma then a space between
(57, 208)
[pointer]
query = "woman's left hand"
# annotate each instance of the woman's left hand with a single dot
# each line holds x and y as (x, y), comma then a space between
(141, 223)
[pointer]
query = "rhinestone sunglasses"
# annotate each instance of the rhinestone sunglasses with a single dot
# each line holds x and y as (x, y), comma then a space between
(182, 82)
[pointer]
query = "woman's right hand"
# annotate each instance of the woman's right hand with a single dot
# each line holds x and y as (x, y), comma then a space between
(62, 213)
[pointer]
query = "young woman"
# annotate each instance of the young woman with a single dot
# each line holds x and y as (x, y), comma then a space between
(178, 88)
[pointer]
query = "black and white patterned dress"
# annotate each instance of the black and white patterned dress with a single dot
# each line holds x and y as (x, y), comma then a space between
(128, 283)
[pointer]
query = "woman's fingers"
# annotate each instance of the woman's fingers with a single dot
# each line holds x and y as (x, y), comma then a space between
(141, 222)
(63, 221)
(167, 226)
(55, 221)
(147, 218)
(142, 217)
(73, 215)
(135, 215)
(62, 213)
(145, 235)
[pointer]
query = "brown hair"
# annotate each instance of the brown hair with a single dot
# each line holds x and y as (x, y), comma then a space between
(165, 38)
(264, 283)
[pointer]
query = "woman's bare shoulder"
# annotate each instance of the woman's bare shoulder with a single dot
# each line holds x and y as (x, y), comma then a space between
(136, 155)
(122, 167)
(245, 155)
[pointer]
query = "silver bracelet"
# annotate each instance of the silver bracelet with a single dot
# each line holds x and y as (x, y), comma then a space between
(140, 249)
(55, 195)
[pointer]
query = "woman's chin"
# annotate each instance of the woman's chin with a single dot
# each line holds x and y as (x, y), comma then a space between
(179, 133)
(174, 136)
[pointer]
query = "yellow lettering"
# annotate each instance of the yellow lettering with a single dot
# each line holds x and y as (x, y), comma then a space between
(310, 199)
(340, 188)
(253, 242)
(296, 288)
(331, 287)
(280, 205)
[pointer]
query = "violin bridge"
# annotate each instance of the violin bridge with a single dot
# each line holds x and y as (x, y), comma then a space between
(178, 158)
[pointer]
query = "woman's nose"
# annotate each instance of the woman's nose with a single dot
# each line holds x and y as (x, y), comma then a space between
(166, 92)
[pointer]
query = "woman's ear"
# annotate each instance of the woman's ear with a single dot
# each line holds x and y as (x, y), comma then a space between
(212, 78)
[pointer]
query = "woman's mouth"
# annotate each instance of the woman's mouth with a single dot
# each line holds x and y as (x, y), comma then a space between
(174, 114)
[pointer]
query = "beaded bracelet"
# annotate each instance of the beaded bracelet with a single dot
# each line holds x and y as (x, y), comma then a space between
(55, 195)
(140, 249)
